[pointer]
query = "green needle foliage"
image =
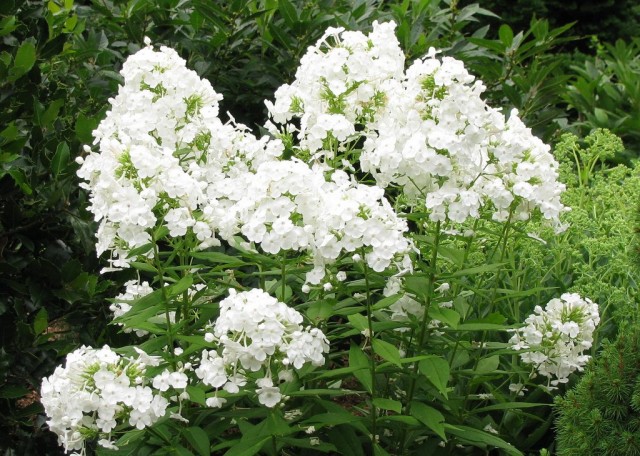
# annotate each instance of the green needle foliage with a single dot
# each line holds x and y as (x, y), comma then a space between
(601, 415)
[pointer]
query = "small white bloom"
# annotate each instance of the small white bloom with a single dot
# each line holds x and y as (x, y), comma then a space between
(215, 402)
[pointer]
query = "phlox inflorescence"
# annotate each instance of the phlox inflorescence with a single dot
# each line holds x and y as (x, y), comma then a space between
(255, 332)
(97, 391)
(166, 159)
(555, 338)
(425, 129)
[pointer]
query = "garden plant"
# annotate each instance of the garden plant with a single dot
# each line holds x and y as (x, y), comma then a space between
(377, 257)
(341, 284)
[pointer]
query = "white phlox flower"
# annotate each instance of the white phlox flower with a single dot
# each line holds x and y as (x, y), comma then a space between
(338, 85)
(425, 129)
(255, 331)
(554, 340)
(96, 391)
(164, 156)
(287, 205)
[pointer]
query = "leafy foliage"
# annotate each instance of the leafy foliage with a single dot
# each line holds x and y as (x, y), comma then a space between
(605, 92)
(609, 20)
(594, 257)
(49, 300)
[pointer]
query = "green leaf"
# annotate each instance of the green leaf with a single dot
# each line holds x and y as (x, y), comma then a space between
(358, 359)
(345, 438)
(60, 160)
(217, 257)
(196, 395)
(289, 13)
(247, 446)
(386, 302)
(488, 365)
(388, 404)
(476, 270)
(379, 451)
(7, 25)
(404, 419)
(436, 370)
(358, 321)
(319, 311)
(41, 322)
(601, 117)
(320, 392)
(506, 35)
(510, 406)
(179, 450)
(24, 60)
(387, 351)
(180, 286)
(306, 443)
(340, 372)
(480, 439)
(48, 117)
(13, 392)
(275, 424)
(430, 417)
(481, 327)
(417, 285)
(84, 128)
(20, 180)
(198, 439)
(332, 419)
(447, 316)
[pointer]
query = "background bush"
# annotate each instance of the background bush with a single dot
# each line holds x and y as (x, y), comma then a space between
(608, 20)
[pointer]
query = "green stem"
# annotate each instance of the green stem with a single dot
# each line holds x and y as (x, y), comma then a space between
(423, 330)
(456, 286)
(284, 278)
(372, 361)
(504, 236)
(165, 298)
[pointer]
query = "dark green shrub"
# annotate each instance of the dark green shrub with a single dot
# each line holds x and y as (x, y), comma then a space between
(601, 415)
(609, 20)
(50, 297)
(605, 92)
(524, 71)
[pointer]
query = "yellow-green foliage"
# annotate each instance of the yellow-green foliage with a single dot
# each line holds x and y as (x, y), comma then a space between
(595, 256)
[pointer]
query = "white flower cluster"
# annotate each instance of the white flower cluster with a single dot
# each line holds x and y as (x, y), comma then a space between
(255, 331)
(288, 205)
(338, 85)
(133, 290)
(166, 159)
(555, 338)
(163, 153)
(426, 129)
(96, 391)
